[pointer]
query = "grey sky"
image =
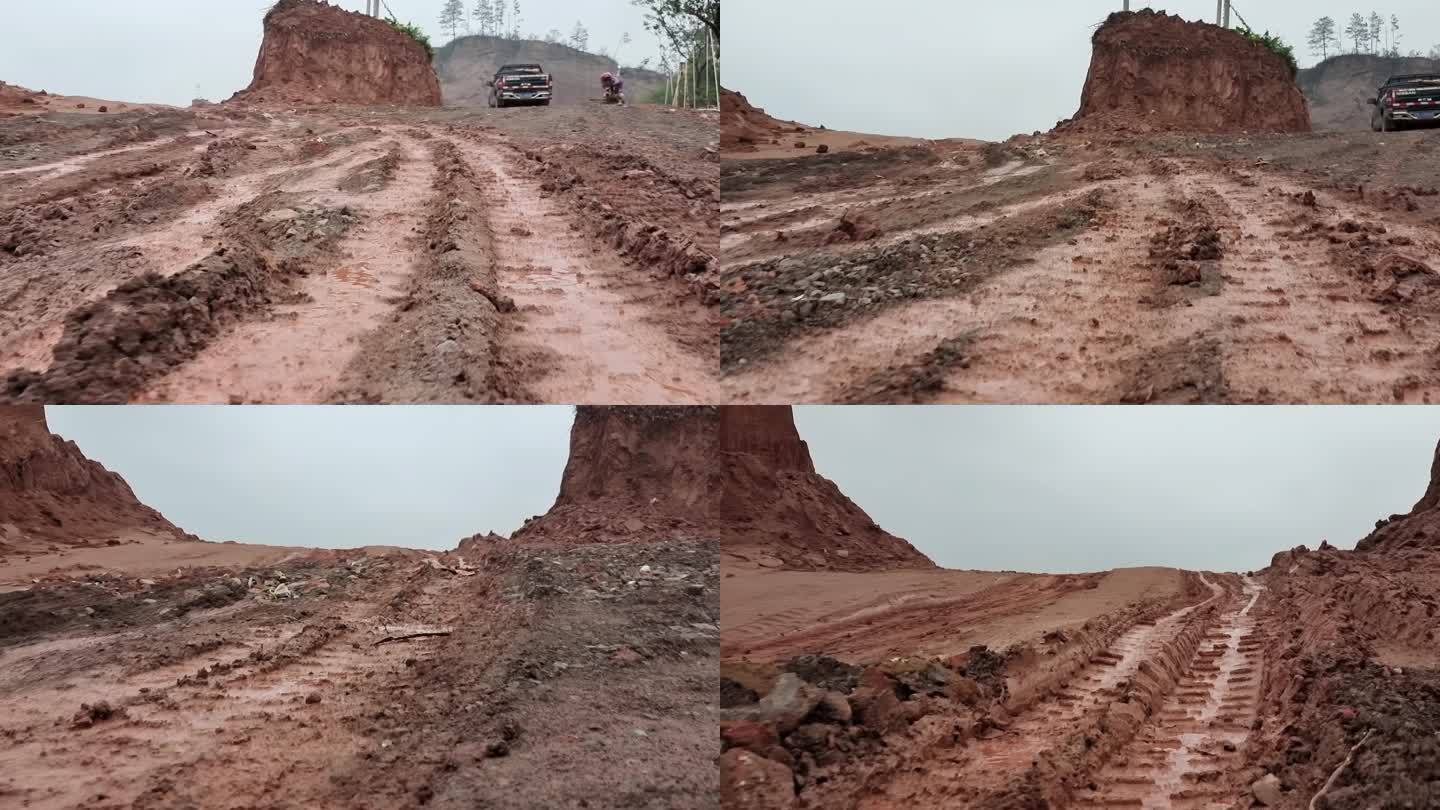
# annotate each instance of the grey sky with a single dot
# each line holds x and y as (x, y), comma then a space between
(158, 51)
(331, 477)
(1068, 489)
(965, 69)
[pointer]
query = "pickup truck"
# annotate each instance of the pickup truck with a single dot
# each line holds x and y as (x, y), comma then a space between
(1404, 100)
(520, 84)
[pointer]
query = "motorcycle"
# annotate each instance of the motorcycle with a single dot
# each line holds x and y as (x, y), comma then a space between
(614, 96)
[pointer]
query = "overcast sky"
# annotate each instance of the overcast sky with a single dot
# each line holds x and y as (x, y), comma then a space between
(172, 51)
(1068, 489)
(331, 477)
(966, 69)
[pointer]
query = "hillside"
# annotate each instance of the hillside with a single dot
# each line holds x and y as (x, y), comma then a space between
(52, 495)
(1338, 87)
(466, 65)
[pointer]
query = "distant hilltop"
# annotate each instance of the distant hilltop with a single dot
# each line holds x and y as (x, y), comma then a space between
(467, 64)
(1338, 88)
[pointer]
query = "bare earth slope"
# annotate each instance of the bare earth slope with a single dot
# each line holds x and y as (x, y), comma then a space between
(779, 512)
(633, 473)
(315, 53)
(467, 64)
(1155, 72)
(52, 495)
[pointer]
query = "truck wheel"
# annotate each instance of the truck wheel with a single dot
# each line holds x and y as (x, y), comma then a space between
(1386, 125)
(545, 103)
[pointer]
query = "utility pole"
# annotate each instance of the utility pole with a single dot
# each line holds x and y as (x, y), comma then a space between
(1227, 13)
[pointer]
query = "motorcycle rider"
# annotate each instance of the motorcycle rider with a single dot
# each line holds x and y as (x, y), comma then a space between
(613, 85)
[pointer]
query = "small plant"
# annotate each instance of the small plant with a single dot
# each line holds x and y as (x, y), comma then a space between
(416, 34)
(1276, 46)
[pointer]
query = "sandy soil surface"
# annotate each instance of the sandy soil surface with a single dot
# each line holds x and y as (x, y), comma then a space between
(774, 615)
(1074, 268)
(139, 554)
(241, 254)
(512, 677)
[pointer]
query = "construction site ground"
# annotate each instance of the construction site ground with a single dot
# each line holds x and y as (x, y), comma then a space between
(517, 677)
(1072, 268)
(239, 254)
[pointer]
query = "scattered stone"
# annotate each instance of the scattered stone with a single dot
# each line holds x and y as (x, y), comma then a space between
(751, 782)
(313, 698)
(1267, 790)
(822, 148)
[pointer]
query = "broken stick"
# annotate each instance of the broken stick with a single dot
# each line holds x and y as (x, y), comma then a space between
(408, 636)
(1336, 773)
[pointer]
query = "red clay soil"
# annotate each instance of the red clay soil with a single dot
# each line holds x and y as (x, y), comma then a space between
(778, 512)
(1417, 529)
(315, 53)
(1153, 72)
(50, 492)
(634, 473)
(742, 124)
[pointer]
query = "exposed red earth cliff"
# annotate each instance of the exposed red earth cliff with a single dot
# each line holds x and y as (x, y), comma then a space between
(780, 513)
(1417, 529)
(315, 53)
(633, 473)
(1155, 72)
(51, 493)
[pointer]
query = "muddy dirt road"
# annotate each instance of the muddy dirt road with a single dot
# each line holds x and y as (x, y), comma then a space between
(1095, 691)
(521, 677)
(235, 254)
(1263, 269)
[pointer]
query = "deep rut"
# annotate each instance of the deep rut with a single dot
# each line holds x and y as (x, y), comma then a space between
(1185, 757)
(582, 338)
(298, 353)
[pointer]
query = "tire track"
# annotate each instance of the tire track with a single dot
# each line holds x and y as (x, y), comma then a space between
(579, 337)
(298, 352)
(1186, 758)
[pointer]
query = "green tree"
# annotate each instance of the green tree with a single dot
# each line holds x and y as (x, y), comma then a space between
(1377, 28)
(1322, 37)
(515, 21)
(499, 6)
(484, 16)
(1358, 31)
(452, 16)
(670, 18)
(554, 35)
(1395, 35)
(579, 38)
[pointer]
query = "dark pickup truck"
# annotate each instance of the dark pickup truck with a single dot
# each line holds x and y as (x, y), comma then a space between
(520, 84)
(1405, 100)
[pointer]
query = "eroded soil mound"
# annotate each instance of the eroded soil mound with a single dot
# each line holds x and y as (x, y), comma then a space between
(315, 53)
(51, 493)
(633, 473)
(1152, 72)
(779, 512)
(1356, 671)
(742, 124)
(1417, 529)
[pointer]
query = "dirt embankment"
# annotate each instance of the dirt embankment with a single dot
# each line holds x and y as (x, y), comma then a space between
(634, 473)
(1418, 529)
(1152, 72)
(742, 124)
(315, 53)
(51, 494)
(467, 64)
(778, 512)
(1338, 88)
(1356, 670)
